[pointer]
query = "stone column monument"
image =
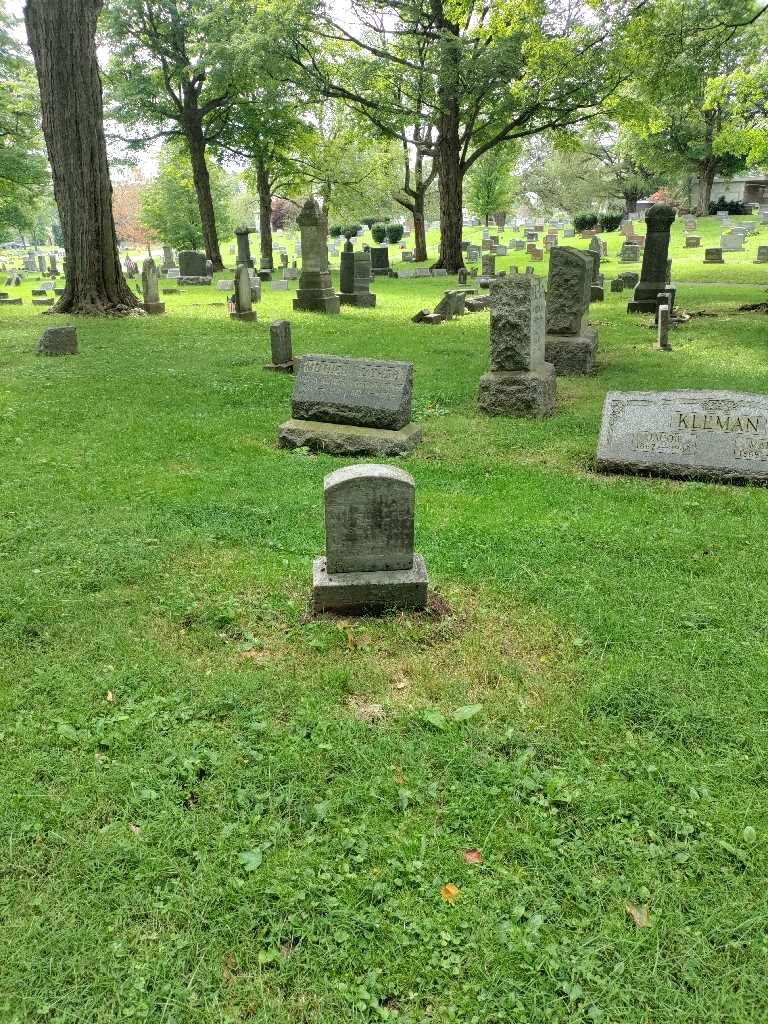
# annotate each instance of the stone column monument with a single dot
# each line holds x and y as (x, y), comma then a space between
(243, 296)
(570, 343)
(315, 292)
(653, 276)
(520, 383)
(244, 245)
(150, 287)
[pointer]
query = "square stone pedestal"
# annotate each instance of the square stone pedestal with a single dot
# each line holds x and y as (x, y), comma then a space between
(369, 591)
(518, 392)
(365, 300)
(342, 439)
(572, 355)
(250, 315)
(153, 308)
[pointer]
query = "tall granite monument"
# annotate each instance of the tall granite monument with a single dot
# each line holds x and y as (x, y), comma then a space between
(521, 382)
(244, 245)
(653, 276)
(369, 563)
(571, 344)
(356, 278)
(315, 292)
(150, 287)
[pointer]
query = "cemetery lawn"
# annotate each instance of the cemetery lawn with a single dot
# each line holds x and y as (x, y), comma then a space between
(544, 801)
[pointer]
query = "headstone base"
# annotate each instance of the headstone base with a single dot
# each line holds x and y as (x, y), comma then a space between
(317, 302)
(597, 293)
(642, 306)
(250, 315)
(195, 280)
(360, 592)
(280, 367)
(572, 355)
(342, 439)
(153, 308)
(518, 392)
(365, 300)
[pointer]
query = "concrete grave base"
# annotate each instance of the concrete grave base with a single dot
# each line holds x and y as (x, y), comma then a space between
(153, 308)
(318, 303)
(571, 355)
(518, 392)
(250, 315)
(10, 302)
(280, 367)
(365, 300)
(342, 439)
(369, 591)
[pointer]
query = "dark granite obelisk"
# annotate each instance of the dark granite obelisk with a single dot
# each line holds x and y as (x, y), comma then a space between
(653, 276)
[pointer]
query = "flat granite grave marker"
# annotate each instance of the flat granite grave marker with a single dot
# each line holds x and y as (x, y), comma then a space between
(369, 564)
(520, 382)
(58, 341)
(708, 435)
(713, 256)
(351, 407)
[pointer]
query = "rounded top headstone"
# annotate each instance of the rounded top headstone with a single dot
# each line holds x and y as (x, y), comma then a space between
(373, 470)
(660, 216)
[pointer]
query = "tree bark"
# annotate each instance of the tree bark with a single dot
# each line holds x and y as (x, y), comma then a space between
(706, 179)
(450, 182)
(265, 214)
(193, 132)
(419, 227)
(62, 38)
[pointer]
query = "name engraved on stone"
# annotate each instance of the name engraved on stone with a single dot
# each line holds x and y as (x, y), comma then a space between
(715, 435)
(360, 392)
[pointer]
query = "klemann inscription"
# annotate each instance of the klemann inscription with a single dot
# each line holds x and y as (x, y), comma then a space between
(710, 435)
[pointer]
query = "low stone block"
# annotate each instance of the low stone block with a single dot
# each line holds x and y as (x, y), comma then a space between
(356, 592)
(153, 308)
(572, 356)
(42, 302)
(343, 439)
(518, 392)
(58, 341)
(248, 315)
(280, 286)
(11, 302)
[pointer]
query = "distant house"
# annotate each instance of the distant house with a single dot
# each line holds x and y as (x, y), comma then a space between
(749, 187)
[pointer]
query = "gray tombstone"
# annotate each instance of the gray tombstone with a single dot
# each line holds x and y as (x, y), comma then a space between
(315, 292)
(41, 264)
(653, 274)
(193, 266)
(713, 256)
(58, 341)
(355, 279)
(351, 407)
(711, 435)
(662, 335)
(762, 254)
(571, 345)
(243, 245)
(521, 382)
(282, 348)
(380, 261)
(243, 295)
(732, 242)
(692, 241)
(370, 564)
(150, 286)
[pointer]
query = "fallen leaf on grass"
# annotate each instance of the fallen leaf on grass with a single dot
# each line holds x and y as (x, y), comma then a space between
(473, 857)
(640, 915)
(109, 698)
(399, 777)
(136, 829)
(251, 859)
(449, 892)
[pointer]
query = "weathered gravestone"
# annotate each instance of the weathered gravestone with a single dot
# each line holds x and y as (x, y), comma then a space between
(355, 279)
(369, 563)
(692, 241)
(617, 284)
(762, 254)
(150, 286)
(41, 264)
(315, 292)
(710, 435)
(244, 245)
(58, 341)
(571, 344)
(732, 242)
(380, 260)
(193, 267)
(520, 382)
(351, 407)
(282, 348)
(629, 253)
(653, 274)
(713, 256)
(662, 331)
(243, 297)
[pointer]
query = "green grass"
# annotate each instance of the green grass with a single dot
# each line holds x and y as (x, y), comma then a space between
(217, 810)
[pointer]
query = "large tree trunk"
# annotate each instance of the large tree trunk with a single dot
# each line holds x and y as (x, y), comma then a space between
(193, 132)
(450, 182)
(265, 214)
(419, 226)
(706, 179)
(62, 38)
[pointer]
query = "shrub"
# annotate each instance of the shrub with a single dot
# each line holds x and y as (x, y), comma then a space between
(370, 221)
(585, 221)
(733, 206)
(351, 229)
(610, 221)
(379, 233)
(336, 230)
(394, 233)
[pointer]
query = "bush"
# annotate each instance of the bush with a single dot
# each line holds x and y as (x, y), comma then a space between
(610, 221)
(370, 221)
(733, 206)
(394, 233)
(336, 230)
(379, 233)
(585, 221)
